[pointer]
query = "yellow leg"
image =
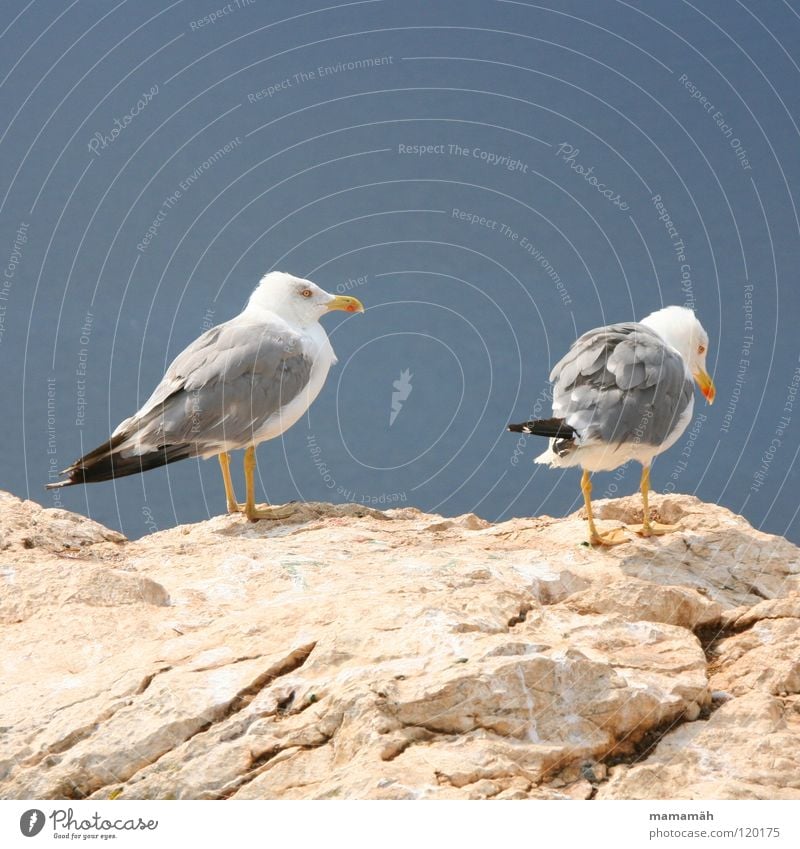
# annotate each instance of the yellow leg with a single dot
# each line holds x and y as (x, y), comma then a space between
(648, 528)
(249, 479)
(586, 488)
(645, 488)
(230, 495)
(613, 537)
(251, 511)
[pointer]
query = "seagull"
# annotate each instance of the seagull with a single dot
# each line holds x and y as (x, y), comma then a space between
(239, 384)
(624, 392)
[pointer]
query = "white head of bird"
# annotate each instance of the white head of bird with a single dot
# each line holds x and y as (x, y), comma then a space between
(680, 329)
(296, 300)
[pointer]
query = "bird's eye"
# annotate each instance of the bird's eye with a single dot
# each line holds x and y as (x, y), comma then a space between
(306, 293)
(701, 349)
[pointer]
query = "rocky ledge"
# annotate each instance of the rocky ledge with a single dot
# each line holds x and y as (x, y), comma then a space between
(352, 653)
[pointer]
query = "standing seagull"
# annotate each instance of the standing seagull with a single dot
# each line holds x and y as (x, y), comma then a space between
(624, 392)
(238, 384)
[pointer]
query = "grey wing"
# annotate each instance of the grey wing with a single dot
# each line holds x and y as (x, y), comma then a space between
(621, 383)
(221, 388)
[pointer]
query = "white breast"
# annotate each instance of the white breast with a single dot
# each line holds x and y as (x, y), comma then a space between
(600, 457)
(318, 347)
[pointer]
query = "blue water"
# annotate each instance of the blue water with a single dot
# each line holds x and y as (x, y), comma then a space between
(489, 178)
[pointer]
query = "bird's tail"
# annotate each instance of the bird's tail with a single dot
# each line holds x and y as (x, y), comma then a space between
(110, 460)
(554, 428)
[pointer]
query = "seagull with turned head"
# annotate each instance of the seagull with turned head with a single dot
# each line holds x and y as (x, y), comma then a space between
(239, 384)
(624, 392)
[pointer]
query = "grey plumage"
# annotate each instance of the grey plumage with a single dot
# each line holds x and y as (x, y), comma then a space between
(222, 387)
(216, 394)
(239, 384)
(619, 383)
(624, 392)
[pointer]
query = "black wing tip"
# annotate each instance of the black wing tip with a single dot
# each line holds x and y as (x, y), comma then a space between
(104, 464)
(57, 484)
(72, 478)
(74, 475)
(554, 428)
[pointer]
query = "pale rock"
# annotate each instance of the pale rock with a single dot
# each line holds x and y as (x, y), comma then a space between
(743, 565)
(640, 599)
(353, 653)
(37, 586)
(747, 749)
(764, 657)
(468, 521)
(28, 526)
(773, 608)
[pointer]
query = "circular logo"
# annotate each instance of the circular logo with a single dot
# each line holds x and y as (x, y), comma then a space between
(31, 822)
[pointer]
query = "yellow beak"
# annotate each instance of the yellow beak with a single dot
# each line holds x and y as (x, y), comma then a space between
(706, 385)
(346, 303)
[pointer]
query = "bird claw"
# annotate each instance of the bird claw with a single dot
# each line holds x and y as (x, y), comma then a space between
(269, 512)
(653, 529)
(265, 511)
(616, 536)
